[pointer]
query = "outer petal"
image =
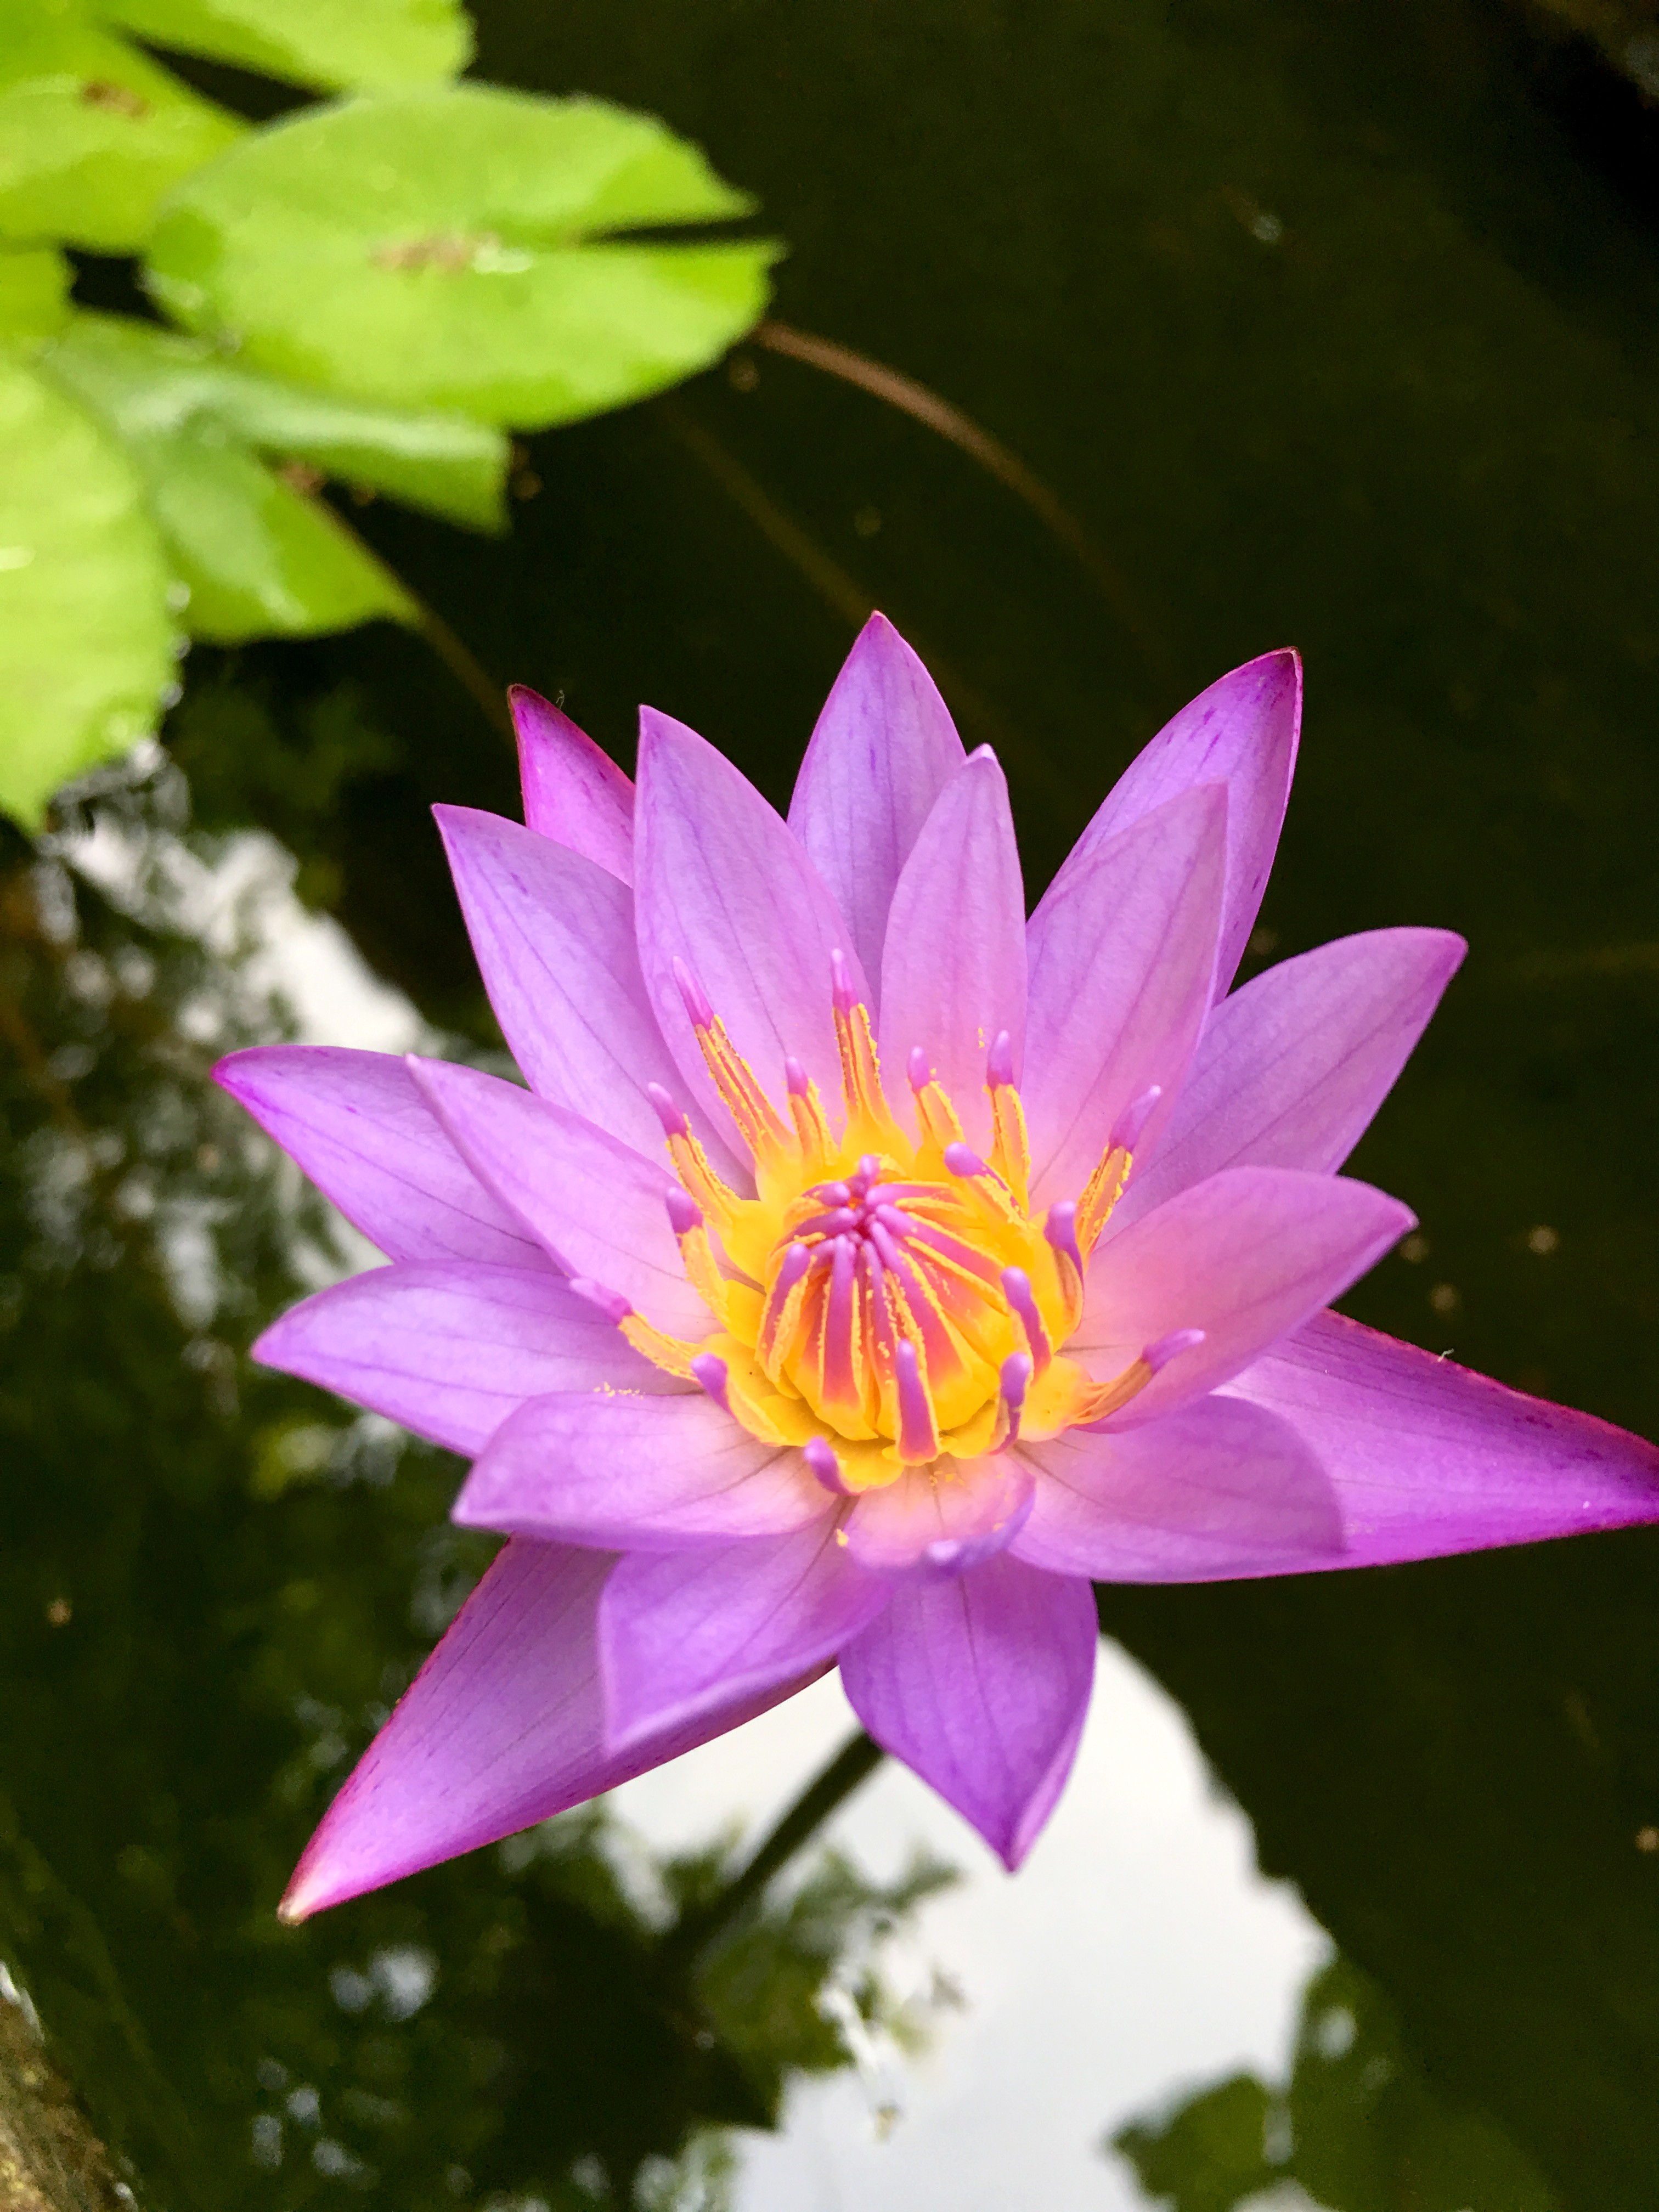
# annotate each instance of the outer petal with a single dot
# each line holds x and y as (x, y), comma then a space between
(502, 1727)
(883, 749)
(980, 1683)
(1218, 1491)
(554, 936)
(1122, 951)
(1427, 1458)
(1243, 733)
(647, 1473)
(946, 1518)
(598, 1208)
(723, 887)
(451, 1350)
(953, 974)
(573, 792)
(684, 1632)
(1246, 1257)
(1292, 1069)
(361, 1129)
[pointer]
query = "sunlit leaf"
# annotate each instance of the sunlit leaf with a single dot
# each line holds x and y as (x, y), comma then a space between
(149, 382)
(336, 44)
(86, 640)
(454, 248)
(260, 554)
(33, 298)
(92, 131)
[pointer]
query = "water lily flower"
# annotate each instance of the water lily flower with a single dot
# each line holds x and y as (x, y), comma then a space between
(866, 1270)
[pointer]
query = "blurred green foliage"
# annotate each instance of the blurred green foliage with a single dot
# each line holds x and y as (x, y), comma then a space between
(1358, 2126)
(215, 1581)
(377, 288)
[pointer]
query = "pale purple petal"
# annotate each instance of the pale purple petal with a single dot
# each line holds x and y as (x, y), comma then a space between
(554, 936)
(597, 1208)
(1246, 1257)
(647, 1473)
(361, 1128)
(722, 887)
(502, 1728)
(953, 973)
(450, 1351)
(1121, 950)
(1291, 1069)
(1427, 1458)
(1216, 1491)
(980, 1683)
(883, 749)
(573, 792)
(681, 1632)
(942, 1518)
(1243, 733)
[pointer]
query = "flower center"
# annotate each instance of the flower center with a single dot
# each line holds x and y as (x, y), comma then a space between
(885, 1298)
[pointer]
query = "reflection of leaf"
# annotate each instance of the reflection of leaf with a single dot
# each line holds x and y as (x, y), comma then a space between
(430, 249)
(148, 382)
(259, 553)
(331, 43)
(33, 298)
(85, 640)
(1206, 2156)
(92, 132)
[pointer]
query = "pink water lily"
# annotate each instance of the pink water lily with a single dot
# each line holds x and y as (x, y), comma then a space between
(866, 1270)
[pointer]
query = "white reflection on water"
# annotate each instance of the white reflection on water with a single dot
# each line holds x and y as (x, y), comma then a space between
(1138, 1951)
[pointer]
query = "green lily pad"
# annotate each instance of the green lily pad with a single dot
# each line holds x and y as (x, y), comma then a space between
(150, 383)
(86, 640)
(93, 133)
(33, 298)
(456, 248)
(335, 45)
(260, 555)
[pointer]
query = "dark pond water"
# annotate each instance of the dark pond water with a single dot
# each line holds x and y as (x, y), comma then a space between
(1336, 325)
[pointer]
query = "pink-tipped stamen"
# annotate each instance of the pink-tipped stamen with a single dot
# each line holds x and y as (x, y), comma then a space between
(918, 1436)
(611, 1304)
(820, 1456)
(684, 1214)
(963, 1160)
(672, 1117)
(841, 983)
(1013, 1384)
(1060, 1228)
(1022, 1304)
(696, 1002)
(1000, 1060)
(1126, 1135)
(797, 1081)
(918, 1068)
(709, 1371)
(1158, 1355)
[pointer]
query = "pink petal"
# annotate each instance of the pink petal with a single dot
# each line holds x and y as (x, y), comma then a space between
(883, 749)
(1427, 1458)
(953, 974)
(502, 1727)
(573, 792)
(1122, 953)
(980, 1683)
(359, 1126)
(554, 936)
(722, 887)
(684, 1632)
(1216, 1491)
(647, 1473)
(1246, 1256)
(1243, 733)
(450, 1350)
(946, 1518)
(1291, 1069)
(599, 1209)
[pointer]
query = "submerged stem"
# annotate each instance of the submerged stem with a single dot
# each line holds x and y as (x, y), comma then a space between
(856, 1759)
